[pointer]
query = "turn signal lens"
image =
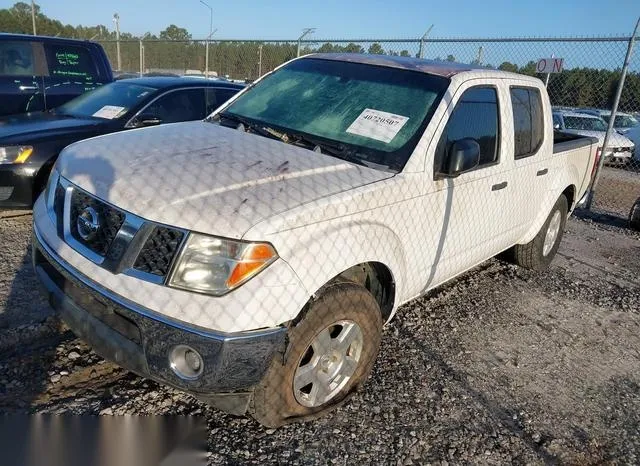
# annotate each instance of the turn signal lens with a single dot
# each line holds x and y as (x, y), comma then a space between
(254, 259)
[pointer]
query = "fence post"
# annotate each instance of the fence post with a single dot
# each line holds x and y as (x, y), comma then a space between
(612, 118)
(305, 31)
(422, 42)
(141, 58)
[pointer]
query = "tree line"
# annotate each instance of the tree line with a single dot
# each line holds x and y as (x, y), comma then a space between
(174, 49)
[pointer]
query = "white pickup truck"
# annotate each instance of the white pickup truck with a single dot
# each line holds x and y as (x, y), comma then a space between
(252, 259)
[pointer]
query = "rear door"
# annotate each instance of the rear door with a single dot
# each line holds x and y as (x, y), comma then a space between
(22, 66)
(72, 70)
(534, 166)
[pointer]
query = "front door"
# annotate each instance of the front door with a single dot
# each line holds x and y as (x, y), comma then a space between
(477, 221)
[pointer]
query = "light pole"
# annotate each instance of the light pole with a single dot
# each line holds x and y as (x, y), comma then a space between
(33, 16)
(305, 32)
(206, 60)
(116, 19)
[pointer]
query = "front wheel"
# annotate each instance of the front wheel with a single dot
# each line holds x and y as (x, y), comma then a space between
(330, 354)
(539, 252)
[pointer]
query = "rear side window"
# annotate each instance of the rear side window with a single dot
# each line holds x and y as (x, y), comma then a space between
(70, 61)
(528, 122)
(17, 59)
(475, 116)
(180, 105)
(216, 97)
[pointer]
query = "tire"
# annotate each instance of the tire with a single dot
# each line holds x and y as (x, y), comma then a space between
(634, 215)
(282, 397)
(533, 254)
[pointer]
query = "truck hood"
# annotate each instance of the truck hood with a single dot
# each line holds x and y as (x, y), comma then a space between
(204, 177)
(615, 139)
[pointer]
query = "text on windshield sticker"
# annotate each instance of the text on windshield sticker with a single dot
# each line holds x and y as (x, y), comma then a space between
(109, 112)
(376, 124)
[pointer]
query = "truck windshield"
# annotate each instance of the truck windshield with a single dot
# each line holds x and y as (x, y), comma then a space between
(371, 114)
(107, 102)
(584, 123)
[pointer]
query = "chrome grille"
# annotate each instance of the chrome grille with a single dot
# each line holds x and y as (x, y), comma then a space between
(110, 219)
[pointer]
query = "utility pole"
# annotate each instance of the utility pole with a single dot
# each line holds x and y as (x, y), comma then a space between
(116, 19)
(422, 42)
(305, 32)
(33, 16)
(206, 60)
(259, 60)
(480, 54)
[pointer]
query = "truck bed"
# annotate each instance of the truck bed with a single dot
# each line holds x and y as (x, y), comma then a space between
(581, 154)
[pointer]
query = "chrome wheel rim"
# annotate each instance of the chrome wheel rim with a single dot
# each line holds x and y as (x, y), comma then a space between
(328, 363)
(552, 233)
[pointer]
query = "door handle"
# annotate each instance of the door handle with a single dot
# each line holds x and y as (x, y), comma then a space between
(28, 88)
(499, 186)
(542, 172)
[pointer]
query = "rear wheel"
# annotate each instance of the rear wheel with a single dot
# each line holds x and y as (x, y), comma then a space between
(539, 252)
(330, 354)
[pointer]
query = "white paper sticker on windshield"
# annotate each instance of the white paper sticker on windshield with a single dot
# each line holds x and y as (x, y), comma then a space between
(376, 124)
(109, 112)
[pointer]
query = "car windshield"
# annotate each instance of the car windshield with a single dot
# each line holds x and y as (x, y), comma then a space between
(626, 121)
(584, 123)
(109, 102)
(373, 114)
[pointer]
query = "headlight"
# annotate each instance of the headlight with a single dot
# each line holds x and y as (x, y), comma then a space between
(215, 266)
(15, 154)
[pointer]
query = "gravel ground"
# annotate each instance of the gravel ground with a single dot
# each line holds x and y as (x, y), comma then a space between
(618, 189)
(502, 365)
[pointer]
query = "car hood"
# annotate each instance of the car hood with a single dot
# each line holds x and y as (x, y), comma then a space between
(204, 177)
(31, 127)
(615, 139)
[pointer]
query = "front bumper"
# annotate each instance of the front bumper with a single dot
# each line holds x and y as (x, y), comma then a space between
(140, 340)
(16, 186)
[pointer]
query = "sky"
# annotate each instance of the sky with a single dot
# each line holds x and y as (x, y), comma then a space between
(333, 19)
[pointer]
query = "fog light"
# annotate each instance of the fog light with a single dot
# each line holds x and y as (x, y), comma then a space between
(186, 362)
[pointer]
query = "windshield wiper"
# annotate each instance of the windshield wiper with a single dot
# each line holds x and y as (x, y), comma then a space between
(338, 150)
(252, 126)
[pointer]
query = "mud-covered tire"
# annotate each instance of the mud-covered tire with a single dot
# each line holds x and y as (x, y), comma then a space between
(634, 215)
(276, 401)
(534, 255)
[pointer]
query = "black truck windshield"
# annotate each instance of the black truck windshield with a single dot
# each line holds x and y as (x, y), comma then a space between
(375, 114)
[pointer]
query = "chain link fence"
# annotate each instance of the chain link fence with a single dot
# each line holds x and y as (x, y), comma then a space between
(582, 94)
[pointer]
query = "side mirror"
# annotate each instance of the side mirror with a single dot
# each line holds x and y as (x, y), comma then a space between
(556, 126)
(147, 119)
(463, 156)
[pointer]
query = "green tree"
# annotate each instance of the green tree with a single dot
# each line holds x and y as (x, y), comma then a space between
(450, 58)
(507, 66)
(376, 49)
(173, 32)
(404, 53)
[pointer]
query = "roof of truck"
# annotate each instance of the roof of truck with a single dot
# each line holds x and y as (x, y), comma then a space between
(446, 69)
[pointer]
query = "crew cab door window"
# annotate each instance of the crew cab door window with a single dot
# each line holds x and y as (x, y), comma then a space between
(528, 122)
(475, 116)
(179, 105)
